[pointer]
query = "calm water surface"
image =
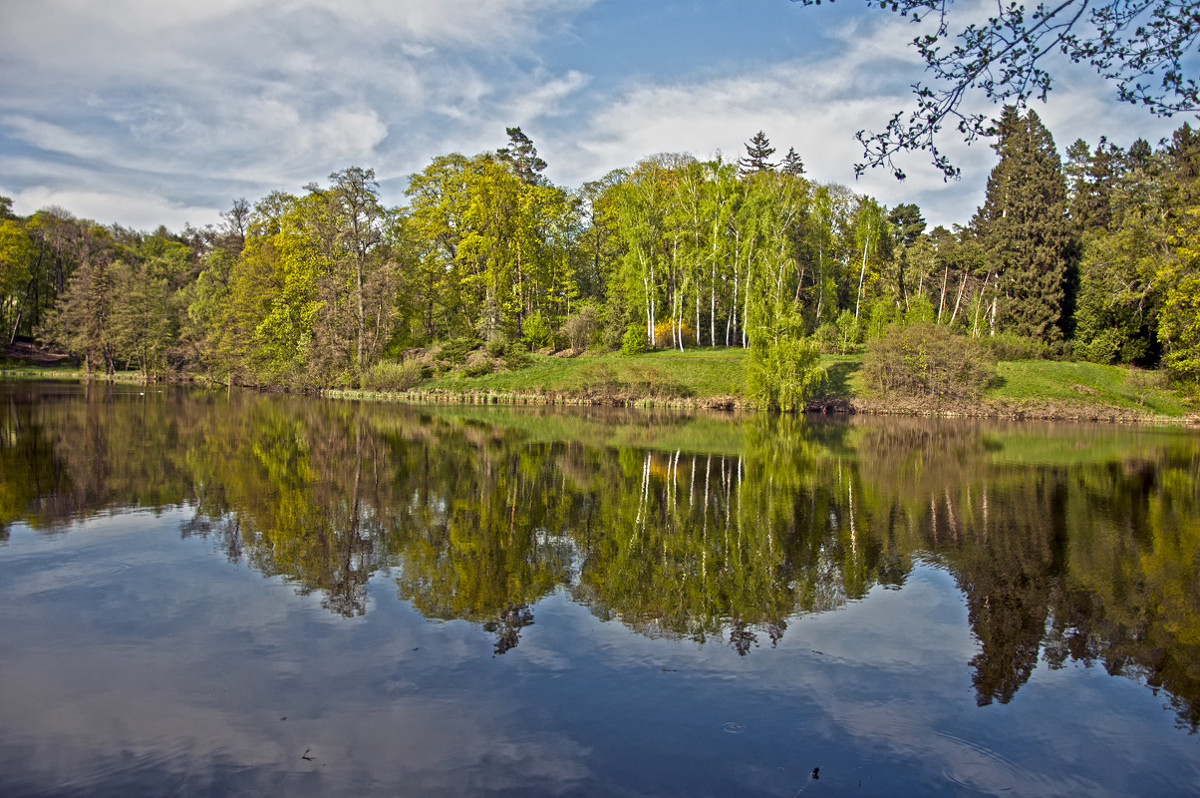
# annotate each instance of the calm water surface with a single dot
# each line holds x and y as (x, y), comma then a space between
(233, 594)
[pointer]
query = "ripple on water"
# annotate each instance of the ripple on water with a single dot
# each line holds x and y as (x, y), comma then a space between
(975, 766)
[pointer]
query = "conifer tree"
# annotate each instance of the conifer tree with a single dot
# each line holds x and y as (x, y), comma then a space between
(522, 158)
(758, 154)
(792, 164)
(1024, 227)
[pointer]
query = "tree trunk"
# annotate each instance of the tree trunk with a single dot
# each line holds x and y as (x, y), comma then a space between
(862, 273)
(942, 302)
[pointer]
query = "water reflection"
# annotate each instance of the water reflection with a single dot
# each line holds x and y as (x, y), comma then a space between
(1070, 544)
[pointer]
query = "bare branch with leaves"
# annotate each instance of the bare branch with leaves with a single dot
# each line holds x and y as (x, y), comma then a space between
(1140, 45)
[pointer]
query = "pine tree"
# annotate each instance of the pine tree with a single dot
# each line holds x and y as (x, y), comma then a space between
(907, 223)
(1024, 227)
(758, 153)
(522, 157)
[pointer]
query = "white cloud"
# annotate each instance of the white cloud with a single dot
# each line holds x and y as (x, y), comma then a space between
(151, 42)
(204, 102)
(545, 97)
(56, 138)
(139, 210)
(806, 104)
(265, 95)
(801, 103)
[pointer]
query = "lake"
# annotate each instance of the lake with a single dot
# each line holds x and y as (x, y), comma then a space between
(227, 593)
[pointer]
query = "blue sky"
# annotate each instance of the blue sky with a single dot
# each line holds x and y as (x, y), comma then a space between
(148, 112)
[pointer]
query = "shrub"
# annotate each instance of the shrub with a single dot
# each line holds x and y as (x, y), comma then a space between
(536, 332)
(827, 339)
(1010, 346)
(1104, 348)
(457, 349)
(880, 315)
(634, 341)
(612, 337)
(920, 309)
(392, 376)
(515, 359)
(496, 346)
(927, 361)
(848, 332)
(581, 327)
(663, 337)
(479, 369)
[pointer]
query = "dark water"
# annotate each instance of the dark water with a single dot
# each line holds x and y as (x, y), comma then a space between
(214, 594)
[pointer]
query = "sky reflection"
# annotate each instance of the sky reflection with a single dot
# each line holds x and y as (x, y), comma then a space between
(137, 657)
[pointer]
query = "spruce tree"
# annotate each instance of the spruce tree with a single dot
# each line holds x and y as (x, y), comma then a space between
(1023, 225)
(758, 153)
(792, 163)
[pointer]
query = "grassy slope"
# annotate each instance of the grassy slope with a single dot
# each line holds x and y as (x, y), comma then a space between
(1086, 383)
(699, 374)
(718, 372)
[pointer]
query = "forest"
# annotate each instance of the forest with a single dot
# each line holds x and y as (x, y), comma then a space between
(1094, 257)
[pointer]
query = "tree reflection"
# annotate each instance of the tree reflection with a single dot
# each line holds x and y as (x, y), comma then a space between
(1088, 555)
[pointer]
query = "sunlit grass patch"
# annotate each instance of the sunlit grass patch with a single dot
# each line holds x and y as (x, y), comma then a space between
(1085, 383)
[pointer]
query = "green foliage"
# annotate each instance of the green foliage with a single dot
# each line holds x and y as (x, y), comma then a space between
(783, 373)
(883, 313)
(828, 339)
(848, 332)
(634, 342)
(926, 361)
(479, 369)
(457, 349)
(496, 347)
(311, 290)
(1118, 303)
(82, 321)
(17, 253)
(1010, 346)
(1104, 347)
(391, 376)
(920, 310)
(1024, 228)
(582, 327)
(1179, 327)
(536, 331)
(516, 358)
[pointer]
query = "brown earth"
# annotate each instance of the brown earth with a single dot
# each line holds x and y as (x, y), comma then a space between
(32, 354)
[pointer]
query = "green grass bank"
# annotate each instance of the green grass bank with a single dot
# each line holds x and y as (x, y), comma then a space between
(713, 379)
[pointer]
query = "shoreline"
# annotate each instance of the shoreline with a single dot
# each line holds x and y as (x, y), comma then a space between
(1006, 409)
(1049, 410)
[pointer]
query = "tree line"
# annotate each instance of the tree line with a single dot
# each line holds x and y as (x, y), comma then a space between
(1096, 258)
